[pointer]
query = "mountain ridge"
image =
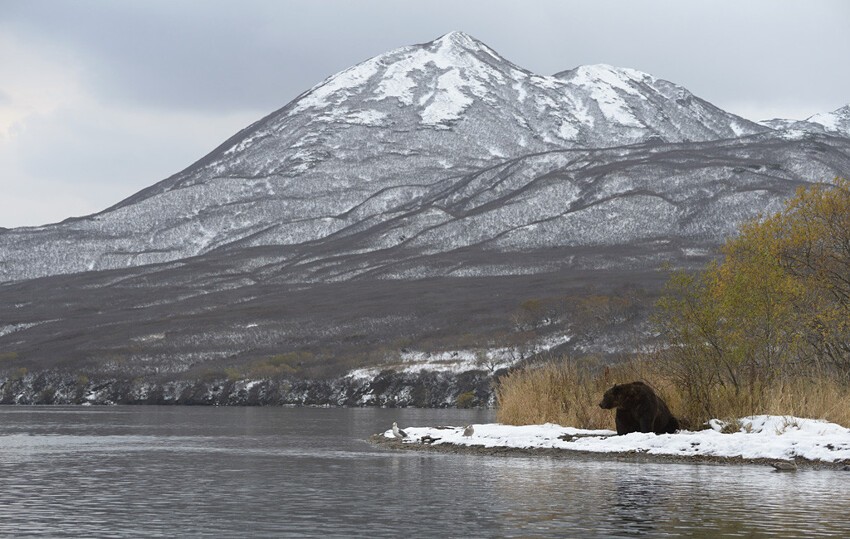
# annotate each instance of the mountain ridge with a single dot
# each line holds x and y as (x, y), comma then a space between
(835, 123)
(379, 133)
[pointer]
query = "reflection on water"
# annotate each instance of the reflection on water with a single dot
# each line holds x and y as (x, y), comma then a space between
(284, 472)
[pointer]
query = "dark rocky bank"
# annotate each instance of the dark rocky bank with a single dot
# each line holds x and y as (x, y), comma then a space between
(389, 389)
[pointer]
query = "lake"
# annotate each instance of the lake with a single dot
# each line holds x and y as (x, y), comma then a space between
(151, 471)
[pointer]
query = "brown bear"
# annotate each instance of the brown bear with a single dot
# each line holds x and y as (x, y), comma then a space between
(639, 409)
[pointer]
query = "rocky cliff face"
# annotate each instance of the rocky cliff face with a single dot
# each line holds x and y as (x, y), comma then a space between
(412, 204)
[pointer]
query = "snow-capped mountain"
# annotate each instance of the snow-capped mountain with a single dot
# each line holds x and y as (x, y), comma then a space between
(418, 197)
(364, 144)
(835, 123)
(785, 124)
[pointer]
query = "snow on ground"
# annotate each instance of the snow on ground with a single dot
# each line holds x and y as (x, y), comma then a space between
(763, 436)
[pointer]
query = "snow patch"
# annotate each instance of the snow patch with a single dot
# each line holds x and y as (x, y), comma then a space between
(521, 92)
(365, 117)
(582, 114)
(11, 328)
(760, 437)
(340, 85)
(827, 119)
(738, 129)
(837, 121)
(604, 82)
(459, 84)
(567, 131)
(496, 152)
(458, 361)
(449, 99)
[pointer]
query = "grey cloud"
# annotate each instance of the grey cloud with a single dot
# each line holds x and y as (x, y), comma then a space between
(194, 62)
(105, 159)
(226, 56)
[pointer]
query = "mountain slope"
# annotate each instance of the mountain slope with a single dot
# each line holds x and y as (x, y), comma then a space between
(363, 144)
(836, 123)
(450, 270)
(410, 207)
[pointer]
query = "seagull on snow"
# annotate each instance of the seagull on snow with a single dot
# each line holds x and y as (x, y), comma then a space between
(397, 432)
(468, 431)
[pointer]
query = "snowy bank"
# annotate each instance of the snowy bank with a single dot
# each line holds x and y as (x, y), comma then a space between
(759, 437)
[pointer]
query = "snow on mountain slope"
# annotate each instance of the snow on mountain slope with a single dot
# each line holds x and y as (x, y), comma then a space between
(579, 203)
(451, 262)
(616, 100)
(835, 122)
(784, 124)
(362, 146)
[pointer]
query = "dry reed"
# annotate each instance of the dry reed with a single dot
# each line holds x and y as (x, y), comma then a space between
(567, 393)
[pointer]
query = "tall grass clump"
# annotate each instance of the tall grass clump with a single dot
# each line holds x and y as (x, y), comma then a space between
(567, 392)
(553, 392)
(818, 395)
(564, 391)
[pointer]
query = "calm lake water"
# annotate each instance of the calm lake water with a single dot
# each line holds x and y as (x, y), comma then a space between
(307, 472)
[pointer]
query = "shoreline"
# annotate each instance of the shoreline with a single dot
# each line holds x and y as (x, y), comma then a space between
(380, 440)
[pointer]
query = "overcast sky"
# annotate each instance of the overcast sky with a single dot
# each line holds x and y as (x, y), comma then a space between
(99, 99)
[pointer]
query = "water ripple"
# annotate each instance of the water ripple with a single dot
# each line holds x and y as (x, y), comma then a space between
(278, 472)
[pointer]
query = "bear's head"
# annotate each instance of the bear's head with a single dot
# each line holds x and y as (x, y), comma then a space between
(613, 397)
(622, 394)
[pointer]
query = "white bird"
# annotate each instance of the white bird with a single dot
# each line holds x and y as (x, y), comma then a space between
(397, 432)
(468, 431)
